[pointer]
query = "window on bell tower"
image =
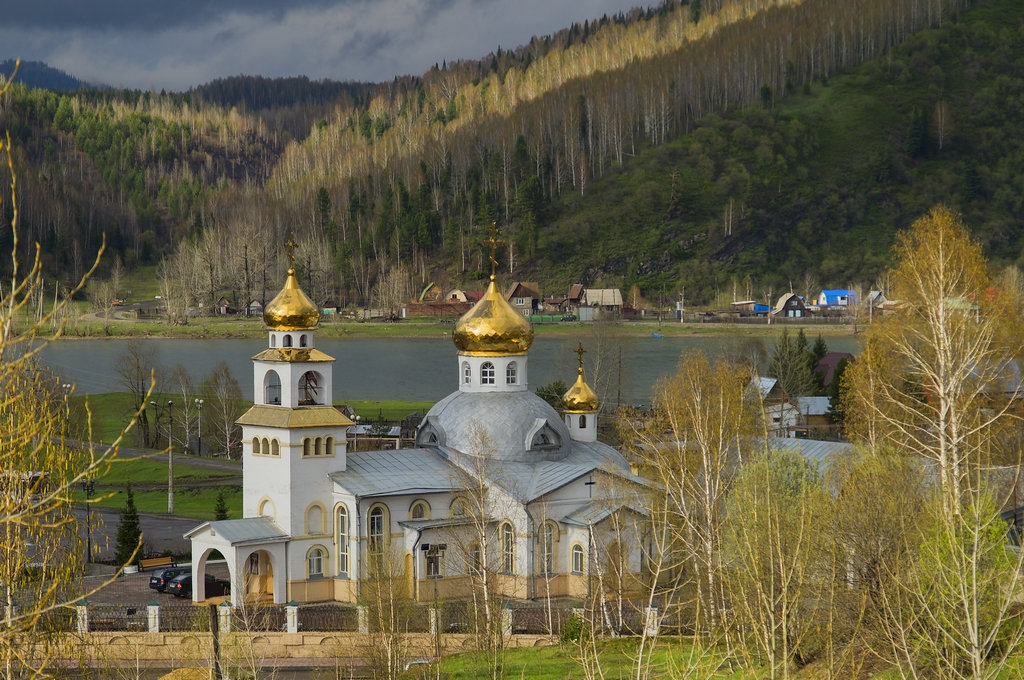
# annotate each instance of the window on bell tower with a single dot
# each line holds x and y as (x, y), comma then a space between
(487, 373)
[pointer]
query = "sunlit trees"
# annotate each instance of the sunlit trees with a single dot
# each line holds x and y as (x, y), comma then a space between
(938, 383)
(40, 553)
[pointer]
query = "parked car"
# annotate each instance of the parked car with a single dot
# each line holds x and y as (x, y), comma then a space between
(161, 577)
(181, 586)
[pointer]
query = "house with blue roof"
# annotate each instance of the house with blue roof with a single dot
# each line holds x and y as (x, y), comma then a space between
(837, 297)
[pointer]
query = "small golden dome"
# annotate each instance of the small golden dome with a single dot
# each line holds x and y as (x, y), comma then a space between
(580, 398)
(492, 327)
(291, 310)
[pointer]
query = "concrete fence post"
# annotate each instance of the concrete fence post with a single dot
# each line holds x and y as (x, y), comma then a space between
(363, 618)
(224, 614)
(153, 616)
(432, 618)
(652, 622)
(506, 621)
(291, 616)
(82, 618)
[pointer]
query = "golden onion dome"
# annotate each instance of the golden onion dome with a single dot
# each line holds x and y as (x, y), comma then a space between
(492, 327)
(291, 310)
(580, 398)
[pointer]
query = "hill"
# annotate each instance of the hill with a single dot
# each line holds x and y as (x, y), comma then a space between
(750, 148)
(38, 74)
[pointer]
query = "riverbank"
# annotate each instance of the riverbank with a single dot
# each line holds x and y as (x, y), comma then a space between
(252, 328)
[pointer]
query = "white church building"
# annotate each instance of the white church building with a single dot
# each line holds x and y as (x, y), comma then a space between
(497, 482)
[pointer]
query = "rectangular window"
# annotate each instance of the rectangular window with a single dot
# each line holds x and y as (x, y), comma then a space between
(435, 562)
(520, 302)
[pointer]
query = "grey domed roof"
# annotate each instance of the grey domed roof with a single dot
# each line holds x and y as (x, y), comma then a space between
(512, 426)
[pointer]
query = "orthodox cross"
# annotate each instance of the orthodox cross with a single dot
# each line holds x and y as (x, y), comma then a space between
(493, 240)
(291, 245)
(579, 353)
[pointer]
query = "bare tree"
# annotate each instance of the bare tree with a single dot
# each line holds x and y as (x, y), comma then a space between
(223, 406)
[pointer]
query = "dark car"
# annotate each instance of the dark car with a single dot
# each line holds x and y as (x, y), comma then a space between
(161, 577)
(181, 586)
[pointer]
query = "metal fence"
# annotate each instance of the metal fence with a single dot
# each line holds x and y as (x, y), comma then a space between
(535, 618)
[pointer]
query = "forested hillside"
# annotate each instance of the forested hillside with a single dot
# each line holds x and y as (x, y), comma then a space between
(713, 148)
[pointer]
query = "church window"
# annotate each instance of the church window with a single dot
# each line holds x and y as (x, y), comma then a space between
(302, 340)
(341, 528)
(273, 341)
(487, 373)
(511, 373)
(272, 388)
(255, 446)
(329, 451)
(476, 563)
(287, 341)
(458, 508)
(275, 447)
(508, 548)
(577, 559)
(547, 548)
(315, 562)
(419, 510)
(307, 447)
(583, 421)
(309, 389)
(467, 373)
(319, 446)
(376, 527)
(435, 560)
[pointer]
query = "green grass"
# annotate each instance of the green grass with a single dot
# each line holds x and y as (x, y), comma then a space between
(196, 502)
(392, 409)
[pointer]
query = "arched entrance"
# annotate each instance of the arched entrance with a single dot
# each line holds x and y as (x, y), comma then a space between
(258, 577)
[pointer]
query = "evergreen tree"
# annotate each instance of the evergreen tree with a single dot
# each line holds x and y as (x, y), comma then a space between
(220, 510)
(552, 393)
(129, 532)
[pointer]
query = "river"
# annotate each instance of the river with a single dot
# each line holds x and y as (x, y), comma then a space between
(403, 368)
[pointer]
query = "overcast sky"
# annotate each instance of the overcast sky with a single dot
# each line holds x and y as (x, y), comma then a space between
(175, 44)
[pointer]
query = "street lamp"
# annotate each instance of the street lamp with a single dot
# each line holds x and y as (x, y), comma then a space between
(355, 435)
(170, 457)
(199, 406)
(67, 405)
(89, 487)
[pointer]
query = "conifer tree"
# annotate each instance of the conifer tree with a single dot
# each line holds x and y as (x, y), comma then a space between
(220, 510)
(129, 532)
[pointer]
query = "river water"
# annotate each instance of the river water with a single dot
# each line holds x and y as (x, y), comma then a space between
(404, 368)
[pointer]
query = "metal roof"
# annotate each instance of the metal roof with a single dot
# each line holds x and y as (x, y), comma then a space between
(388, 473)
(243, 531)
(812, 449)
(303, 416)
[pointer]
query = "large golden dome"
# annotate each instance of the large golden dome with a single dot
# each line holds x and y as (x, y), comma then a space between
(291, 310)
(580, 398)
(492, 327)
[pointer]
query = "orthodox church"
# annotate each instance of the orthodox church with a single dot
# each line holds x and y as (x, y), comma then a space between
(498, 488)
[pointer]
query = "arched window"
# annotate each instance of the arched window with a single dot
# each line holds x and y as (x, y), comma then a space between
(487, 373)
(329, 450)
(302, 340)
(467, 373)
(275, 447)
(457, 508)
(375, 534)
(341, 538)
(255, 446)
(307, 447)
(319, 451)
(508, 548)
(419, 510)
(546, 538)
(315, 562)
(267, 509)
(511, 373)
(287, 341)
(272, 388)
(583, 421)
(273, 341)
(577, 559)
(309, 389)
